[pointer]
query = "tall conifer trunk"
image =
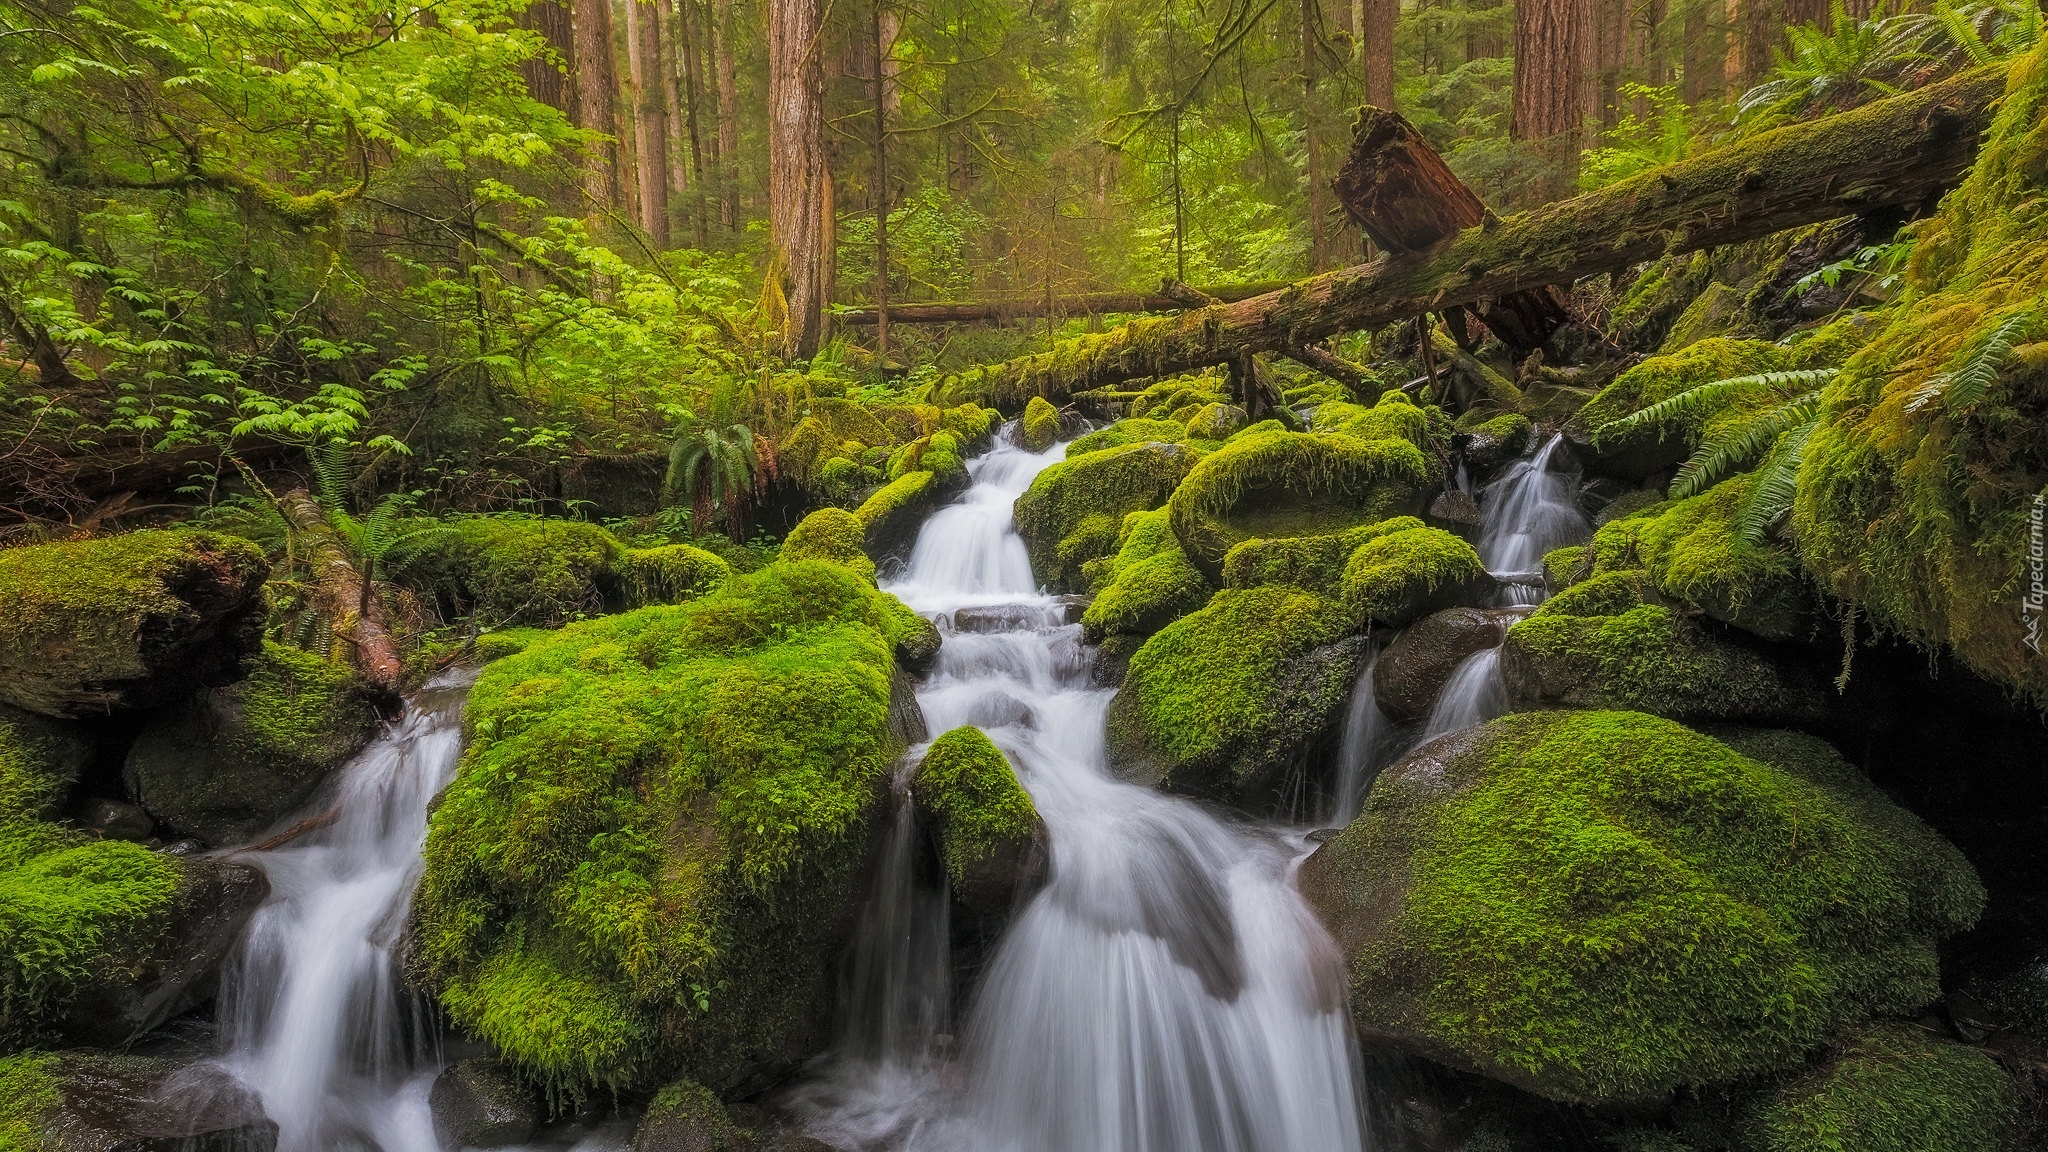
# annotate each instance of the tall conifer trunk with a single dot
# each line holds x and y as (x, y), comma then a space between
(1376, 39)
(728, 114)
(597, 95)
(799, 185)
(650, 118)
(1555, 46)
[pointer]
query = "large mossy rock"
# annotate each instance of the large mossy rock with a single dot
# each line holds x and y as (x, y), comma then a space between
(529, 570)
(129, 621)
(989, 835)
(1146, 585)
(1695, 553)
(1601, 645)
(832, 534)
(1603, 907)
(651, 851)
(1398, 577)
(101, 1102)
(1893, 1088)
(891, 515)
(1269, 484)
(1639, 452)
(1232, 701)
(233, 761)
(1074, 511)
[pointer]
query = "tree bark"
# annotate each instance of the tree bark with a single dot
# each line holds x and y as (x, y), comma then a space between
(1087, 304)
(1701, 65)
(1376, 40)
(728, 115)
(688, 90)
(881, 191)
(1555, 48)
(597, 89)
(650, 118)
(1318, 205)
(798, 181)
(1901, 152)
(546, 75)
(358, 613)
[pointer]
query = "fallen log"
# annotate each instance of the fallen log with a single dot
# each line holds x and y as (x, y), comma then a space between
(1897, 153)
(1170, 298)
(351, 603)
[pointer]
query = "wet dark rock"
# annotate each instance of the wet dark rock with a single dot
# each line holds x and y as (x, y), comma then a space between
(178, 968)
(988, 619)
(110, 1103)
(1456, 511)
(918, 651)
(117, 820)
(482, 1103)
(687, 1117)
(906, 715)
(1599, 492)
(1412, 671)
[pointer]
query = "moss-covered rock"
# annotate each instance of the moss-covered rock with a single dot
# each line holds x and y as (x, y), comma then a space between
(1123, 432)
(1639, 452)
(129, 621)
(989, 834)
(1234, 700)
(1398, 577)
(77, 1101)
(1040, 425)
(832, 534)
(1315, 563)
(533, 570)
(1894, 1088)
(1917, 500)
(233, 761)
(1074, 510)
(1603, 907)
(1273, 484)
(688, 1117)
(1696, 554)
(1494, 444)
(668, 573)
(651, 850)
(1216, 422)
(1147, 585)
(1647, 658)
(891, 516)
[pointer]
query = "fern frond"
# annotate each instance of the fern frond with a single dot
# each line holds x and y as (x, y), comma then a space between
(1970, 381)
(1775, 484)
(1712, 395)
(331, 473)
(1720, 456)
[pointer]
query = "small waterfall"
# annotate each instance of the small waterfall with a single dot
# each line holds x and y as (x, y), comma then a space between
(314, 1015)
(1369, 736)
(1167, 991)
(1529, 511)
(1474, 694)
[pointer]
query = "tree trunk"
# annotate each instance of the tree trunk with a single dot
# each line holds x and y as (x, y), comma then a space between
(597, 90)
(688, 89)
(728, 115)
(547, 76)
(880, 194)
(1701, 63)
(350, 602)
(1318, 204)
(798, 183)
(1084, 304)
(1555, 44)
(1898, 153)
(1376, 40)
(650, 119)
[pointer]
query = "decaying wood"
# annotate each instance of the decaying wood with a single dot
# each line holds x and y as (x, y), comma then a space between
(1362, 383)
(1402, 194)
(1171, 297)
(1897, 153)
(350, 602)
(309, 824)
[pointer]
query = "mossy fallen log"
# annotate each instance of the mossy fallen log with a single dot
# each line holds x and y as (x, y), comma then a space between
(1901, 152)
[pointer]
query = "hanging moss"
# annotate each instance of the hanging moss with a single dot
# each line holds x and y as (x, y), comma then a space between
(1894, 1088)
(1073, 510)
(669, 574)
(1226, 702)
(655, 834)
(1915, 505)
(980, 814)
(1273, 484)
(1040, 426)
(1603, 907)
(832, 534)
(1398, 577)
(1696, 554)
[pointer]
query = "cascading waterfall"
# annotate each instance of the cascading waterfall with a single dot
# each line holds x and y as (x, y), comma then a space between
(1167, 991)
(314, 1015)
(1528, 512)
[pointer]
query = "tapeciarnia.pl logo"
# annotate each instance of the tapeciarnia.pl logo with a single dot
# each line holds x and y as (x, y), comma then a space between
(2031, 608)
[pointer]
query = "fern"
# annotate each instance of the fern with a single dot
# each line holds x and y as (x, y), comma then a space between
(1710, 396)
(1775, 483)
(1721, 455)
(331, 473)
(1960, 387)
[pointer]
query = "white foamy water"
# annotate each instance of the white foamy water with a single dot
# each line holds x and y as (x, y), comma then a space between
(1166, 991)
(1529, 511)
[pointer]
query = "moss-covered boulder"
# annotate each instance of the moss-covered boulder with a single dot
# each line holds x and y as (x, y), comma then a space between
(1603, 907)
(651, 851)
(129, 621)
(988, 832)
(1314, 563)
(83, 1101)
(891, 515)
(1074, 510)
(233, 761)
(1398, 577)
(1892, 1088)
(1133, 431)
(832, 534)
(1639, 452)
(1216, 422)
(1040, 425)
(1239, 699)
(1695, 553)
(1147, 585)
(533, 570)
(1273, 484)
(1491, 445)
(1601, 645)
(688, 1117)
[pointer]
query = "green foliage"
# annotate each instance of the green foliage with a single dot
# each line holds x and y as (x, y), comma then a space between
(1894, 1088)
(689, 1115)
(30, 1096)
(1697, 551)
(967, 789)
(659, 815)
(1694, 385)
(1605, 906)
(1638, 142)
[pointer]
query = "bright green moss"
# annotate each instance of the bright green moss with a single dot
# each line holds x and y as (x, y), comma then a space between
(1662, 377)
(1645, 658)
(1830, 345)
(504, 569)
(1312, 563)
(1072, 511)
(29, 1098)
(1562, 567)
(1394, 417)
(1040, 426)
(503, 642)
(669, 574)
(1695, 553)
(965, 786)
(657, 824)
(1393, 578)
(116, 608)
(1215, 422)
(1607, 594)
(1223, 701)
(1895, 1088)
(892, 513)
(1915, 503)
(1271, 484)
(1716, 312)
(971, 425)
(1145, 596)
(832, 534)
(1604, 906)
(1123, 432)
